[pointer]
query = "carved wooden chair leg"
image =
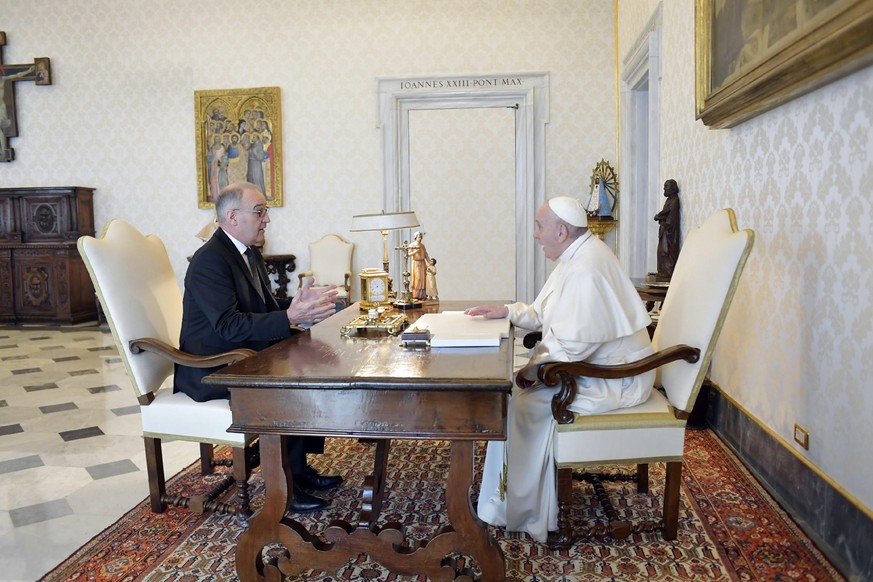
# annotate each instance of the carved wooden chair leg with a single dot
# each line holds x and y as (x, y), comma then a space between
(206, 466)
(241, 471)
(155, 469)
(643, 478)
(564, 537)
(671, 500)
(618, 529)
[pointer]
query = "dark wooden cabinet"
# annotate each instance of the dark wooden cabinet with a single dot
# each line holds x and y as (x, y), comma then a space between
(42, 276)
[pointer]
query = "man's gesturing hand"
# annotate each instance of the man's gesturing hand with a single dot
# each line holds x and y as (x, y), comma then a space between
(312, 304)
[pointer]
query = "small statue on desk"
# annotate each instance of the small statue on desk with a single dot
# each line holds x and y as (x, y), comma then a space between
(668, 233)
(431, 284)
(420, 260)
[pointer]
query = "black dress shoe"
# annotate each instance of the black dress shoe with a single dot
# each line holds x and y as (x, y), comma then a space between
(303, 502)
(310, 479)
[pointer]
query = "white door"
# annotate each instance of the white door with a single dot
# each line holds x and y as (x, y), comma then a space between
(462, 188)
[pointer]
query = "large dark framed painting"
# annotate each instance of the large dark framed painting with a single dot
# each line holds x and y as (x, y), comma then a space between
(753, 55)
(239, 139)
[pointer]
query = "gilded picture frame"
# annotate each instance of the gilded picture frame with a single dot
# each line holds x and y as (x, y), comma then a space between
(238, 139)
(754, 55)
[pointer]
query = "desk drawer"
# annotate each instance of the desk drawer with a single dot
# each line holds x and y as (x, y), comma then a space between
(449, 415)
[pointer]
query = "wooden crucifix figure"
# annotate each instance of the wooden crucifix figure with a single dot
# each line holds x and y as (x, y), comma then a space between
(39, 72)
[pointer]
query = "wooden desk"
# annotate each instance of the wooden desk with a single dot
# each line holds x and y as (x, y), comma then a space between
(321, 383)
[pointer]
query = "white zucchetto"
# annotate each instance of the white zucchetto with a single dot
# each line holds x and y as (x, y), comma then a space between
(569, 210)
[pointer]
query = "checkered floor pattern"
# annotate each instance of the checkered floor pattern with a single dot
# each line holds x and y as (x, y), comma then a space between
(71, 452)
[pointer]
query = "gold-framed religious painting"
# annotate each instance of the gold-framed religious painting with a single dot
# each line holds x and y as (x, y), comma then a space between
(753, 55)
(238, 139)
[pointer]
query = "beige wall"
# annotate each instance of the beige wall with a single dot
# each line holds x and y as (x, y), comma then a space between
(798, 342)
(120, 115)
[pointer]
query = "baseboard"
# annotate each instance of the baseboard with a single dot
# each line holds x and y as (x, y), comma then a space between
(837, 524)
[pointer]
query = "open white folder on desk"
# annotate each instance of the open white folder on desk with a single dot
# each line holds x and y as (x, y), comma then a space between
(453, 329)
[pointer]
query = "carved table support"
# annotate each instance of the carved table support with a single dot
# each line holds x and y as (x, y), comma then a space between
(467, 534)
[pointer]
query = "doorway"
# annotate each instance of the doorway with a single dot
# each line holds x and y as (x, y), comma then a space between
(525, 96)
(640, 152)
(462, 170)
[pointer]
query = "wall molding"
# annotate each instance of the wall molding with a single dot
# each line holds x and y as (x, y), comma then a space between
(527, 93)
(640, 150)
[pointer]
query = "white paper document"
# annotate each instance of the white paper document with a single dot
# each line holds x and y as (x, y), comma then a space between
(453, 329)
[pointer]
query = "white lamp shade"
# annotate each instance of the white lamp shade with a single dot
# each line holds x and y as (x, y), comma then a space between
(383, 221)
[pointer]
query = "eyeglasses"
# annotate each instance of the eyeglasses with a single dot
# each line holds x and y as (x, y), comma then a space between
(261, 212)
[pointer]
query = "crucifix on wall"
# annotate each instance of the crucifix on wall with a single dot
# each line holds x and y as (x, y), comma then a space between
(39, 72)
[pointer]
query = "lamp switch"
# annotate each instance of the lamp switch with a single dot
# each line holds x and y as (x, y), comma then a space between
(801, 435)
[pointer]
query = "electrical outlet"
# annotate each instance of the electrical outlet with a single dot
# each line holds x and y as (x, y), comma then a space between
(801, 435)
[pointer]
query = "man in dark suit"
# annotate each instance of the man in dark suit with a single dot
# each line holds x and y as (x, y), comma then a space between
(228, 304)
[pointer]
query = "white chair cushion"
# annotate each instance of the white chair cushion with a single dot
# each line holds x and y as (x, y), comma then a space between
(177, 416)
(648, 433)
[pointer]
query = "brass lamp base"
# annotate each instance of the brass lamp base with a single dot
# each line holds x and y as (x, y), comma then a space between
(407, 304)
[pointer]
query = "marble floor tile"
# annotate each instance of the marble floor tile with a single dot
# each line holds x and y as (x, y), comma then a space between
(45, 511)
(56, 494)
(40, 484)
(20, 463)
(111, 469)
(29, 552)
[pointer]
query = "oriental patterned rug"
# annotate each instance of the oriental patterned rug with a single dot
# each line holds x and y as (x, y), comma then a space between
(729, 527)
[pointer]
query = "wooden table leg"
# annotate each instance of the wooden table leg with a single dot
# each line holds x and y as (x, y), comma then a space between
(467, 535)
(374, 486)
(473, 538)
(264, 526)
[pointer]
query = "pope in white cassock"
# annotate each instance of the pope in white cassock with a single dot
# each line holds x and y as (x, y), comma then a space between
(588, 310)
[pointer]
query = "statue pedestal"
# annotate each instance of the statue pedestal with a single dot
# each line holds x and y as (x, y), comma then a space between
(599, 227)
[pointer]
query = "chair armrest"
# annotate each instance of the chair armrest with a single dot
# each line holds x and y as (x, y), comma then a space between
(550, 372)
(565, 373)
(303, 275)
(531, 339)
(348, 283)
(156, 346)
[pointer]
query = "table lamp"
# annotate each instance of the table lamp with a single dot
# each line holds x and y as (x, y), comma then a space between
(207, 231)
(384, 222)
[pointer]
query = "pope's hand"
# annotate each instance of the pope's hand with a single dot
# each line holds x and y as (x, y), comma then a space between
(527, 377)
(488, 311)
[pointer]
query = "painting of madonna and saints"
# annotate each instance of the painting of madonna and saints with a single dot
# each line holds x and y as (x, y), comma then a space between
(239, 139)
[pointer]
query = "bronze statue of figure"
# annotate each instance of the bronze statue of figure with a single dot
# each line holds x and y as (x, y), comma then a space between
(668, 233)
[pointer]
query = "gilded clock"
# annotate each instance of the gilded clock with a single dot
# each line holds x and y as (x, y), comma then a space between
(374, 289)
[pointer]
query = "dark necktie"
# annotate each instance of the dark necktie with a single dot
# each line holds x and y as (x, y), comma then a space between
(253, 266)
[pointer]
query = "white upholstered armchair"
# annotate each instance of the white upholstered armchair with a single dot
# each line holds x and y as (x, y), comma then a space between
(330, 262)
(140, 295)
(692, 314)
